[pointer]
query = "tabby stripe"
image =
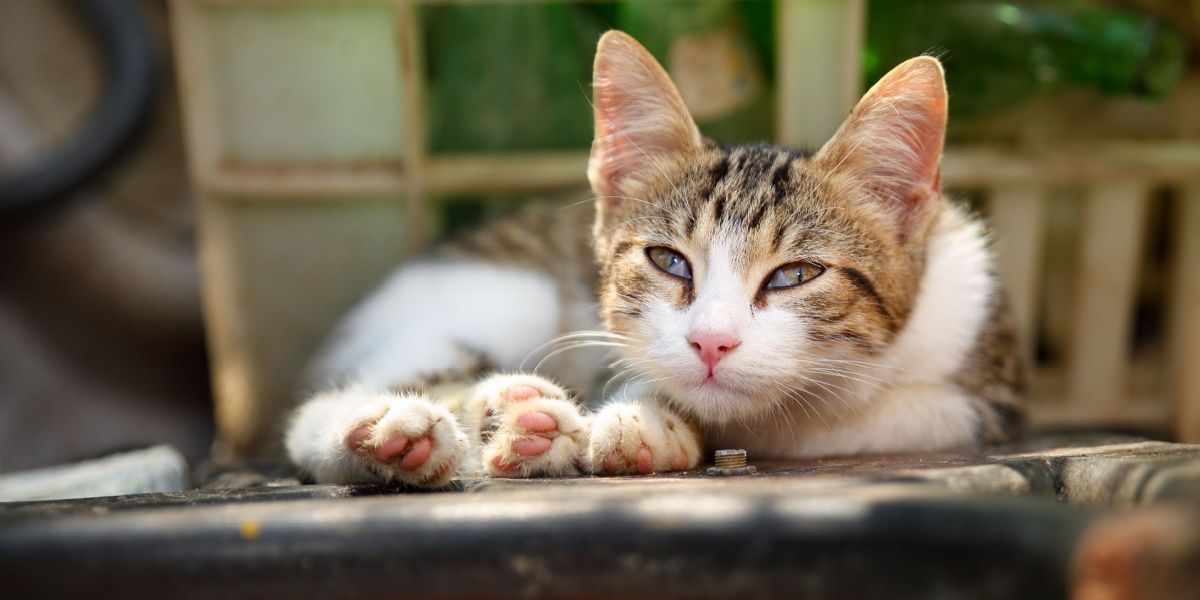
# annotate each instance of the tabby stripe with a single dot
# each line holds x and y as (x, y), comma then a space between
(780, 179)
(719, 209)
(844, 336)
(777, 241)
(716, 176)
(632, 313)
(866, 287)
(758, 215)
(622, 248)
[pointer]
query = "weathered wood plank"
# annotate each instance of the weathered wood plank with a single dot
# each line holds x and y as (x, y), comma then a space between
(1113, 227)
(1017, 215)
(1184, 342)
(818, 45)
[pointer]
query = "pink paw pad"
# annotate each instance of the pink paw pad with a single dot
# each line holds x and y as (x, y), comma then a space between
(502, 466)
(417, 452)
(645, 461)
(534, 446)
(390, 448)
(358, 437)
(417, 455)
(679, 463)
(521, 392)
(539, 422)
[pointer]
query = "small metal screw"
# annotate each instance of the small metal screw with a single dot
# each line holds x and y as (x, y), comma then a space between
(731, 462)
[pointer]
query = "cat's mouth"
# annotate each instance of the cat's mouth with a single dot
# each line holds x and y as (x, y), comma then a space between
(712, 383)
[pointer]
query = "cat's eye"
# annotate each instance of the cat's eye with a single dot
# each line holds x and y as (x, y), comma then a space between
(793, 275)
(669, 261)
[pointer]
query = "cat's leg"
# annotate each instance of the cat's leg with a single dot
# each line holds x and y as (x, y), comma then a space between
(356, 434)
(526, 426)
(642, 436)
(422, 321)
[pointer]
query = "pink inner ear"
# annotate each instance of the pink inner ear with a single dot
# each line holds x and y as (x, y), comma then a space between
(640, 117)
(609, 144)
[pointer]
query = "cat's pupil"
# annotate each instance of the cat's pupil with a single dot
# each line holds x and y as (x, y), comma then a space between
(792, 275)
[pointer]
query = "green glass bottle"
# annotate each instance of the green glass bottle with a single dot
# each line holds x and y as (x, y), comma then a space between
(1000, 53)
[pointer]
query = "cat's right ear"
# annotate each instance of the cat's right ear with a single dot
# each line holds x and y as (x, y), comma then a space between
(642, 124)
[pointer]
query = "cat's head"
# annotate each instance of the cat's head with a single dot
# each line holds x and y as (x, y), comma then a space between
(741, 275)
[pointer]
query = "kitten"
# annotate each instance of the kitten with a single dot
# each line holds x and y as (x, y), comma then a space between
(792, 305)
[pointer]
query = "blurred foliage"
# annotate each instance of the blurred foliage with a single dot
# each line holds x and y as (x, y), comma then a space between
(517, 76)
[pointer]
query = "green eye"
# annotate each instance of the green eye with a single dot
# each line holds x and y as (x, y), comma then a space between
(670, 261)
(793, 275)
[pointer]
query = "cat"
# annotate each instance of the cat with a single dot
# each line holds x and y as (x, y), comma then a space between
(791, 304)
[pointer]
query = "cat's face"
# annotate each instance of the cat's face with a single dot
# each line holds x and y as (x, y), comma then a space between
(750, 277)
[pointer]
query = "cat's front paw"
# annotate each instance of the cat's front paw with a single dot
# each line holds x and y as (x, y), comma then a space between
(528, 427)
(641, 438)
(406, 438)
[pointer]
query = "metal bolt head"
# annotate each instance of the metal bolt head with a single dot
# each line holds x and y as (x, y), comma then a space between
(731, 462)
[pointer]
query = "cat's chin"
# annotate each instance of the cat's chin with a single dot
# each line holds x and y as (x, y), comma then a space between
(713, 401)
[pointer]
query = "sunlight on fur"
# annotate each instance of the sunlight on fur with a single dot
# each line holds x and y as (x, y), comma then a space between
(706, 296)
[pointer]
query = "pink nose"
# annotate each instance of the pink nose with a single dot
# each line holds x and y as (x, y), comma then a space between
(712, 346)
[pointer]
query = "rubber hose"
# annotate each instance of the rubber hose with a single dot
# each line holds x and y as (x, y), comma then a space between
(129, 56)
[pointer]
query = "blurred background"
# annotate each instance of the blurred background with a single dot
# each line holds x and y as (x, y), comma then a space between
(192, 191)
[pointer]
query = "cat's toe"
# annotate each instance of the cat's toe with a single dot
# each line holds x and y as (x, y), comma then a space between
(530, 447)
(521, 392)
(636, 439)
(407, 439)
(391, 448)
(540, 437)
(492, 396)
(537, 421)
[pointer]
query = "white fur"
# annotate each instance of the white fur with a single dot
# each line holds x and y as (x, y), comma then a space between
(488, 402)
(722, 306)
(419, 319)
(771, 394)
(316, 438)
(905, 403)
(622, 429)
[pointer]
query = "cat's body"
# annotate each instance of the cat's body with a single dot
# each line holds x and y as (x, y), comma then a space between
(758, 298)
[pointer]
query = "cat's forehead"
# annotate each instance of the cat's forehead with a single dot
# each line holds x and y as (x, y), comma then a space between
(747, 183)
(761, 197)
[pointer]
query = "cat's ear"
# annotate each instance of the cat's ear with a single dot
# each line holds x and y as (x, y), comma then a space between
(642, 124)
(893, 140)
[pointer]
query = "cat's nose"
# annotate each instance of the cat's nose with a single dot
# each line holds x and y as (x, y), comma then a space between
(712, 346)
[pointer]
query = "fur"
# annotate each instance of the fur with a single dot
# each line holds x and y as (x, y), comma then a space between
(894, 338)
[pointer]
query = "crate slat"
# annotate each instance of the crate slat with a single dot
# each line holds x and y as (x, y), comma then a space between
(1184, 342)
(197, 94)
(1017, 216)
(819, 75)
(1113, 227)
(411, 60)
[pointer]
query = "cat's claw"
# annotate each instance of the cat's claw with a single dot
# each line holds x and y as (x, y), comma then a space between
(527, 427)
(407, 439)
(641, 438)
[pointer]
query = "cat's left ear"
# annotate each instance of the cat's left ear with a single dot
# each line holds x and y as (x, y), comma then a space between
(642, 124)
(893, 141)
